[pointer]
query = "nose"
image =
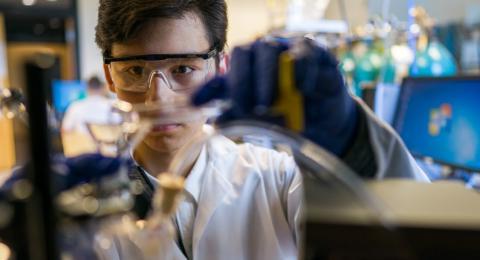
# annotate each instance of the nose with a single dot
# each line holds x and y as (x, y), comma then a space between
(160, 88)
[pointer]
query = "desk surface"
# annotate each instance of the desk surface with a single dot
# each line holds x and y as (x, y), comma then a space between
(442, 203)
(75, 144)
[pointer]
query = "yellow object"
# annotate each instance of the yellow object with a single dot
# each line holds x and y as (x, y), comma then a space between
(7, 150)
(7, 145)
(289, 102)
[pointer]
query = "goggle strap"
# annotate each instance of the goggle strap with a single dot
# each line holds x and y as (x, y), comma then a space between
(158, 57)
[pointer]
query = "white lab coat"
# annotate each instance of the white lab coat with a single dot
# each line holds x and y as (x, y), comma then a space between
(392, 158)
(250, 197)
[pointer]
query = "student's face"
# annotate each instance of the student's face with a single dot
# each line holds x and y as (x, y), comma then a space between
(165, 36)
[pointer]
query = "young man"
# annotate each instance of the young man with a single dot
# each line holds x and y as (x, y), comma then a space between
(241, 201)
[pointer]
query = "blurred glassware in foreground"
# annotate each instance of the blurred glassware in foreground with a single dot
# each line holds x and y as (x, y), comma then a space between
(12, 104)
(98, 209)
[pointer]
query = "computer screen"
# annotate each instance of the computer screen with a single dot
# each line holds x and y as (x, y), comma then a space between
(65, 92)
(439, 118)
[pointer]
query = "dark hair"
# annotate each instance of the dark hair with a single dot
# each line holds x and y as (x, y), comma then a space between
(120, 20)
(94, 82)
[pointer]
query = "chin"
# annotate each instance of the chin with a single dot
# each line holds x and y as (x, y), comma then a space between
(169, 139)
(164, 144)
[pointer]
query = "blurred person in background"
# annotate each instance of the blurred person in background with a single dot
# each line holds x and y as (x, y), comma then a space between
(94, 108)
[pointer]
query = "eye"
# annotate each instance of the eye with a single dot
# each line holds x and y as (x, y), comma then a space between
(182, 69)
(136, 70)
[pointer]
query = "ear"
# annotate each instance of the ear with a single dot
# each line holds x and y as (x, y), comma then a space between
(224, 63)
(108, 78)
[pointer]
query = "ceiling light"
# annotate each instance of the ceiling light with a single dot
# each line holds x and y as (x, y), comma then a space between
(29, 2)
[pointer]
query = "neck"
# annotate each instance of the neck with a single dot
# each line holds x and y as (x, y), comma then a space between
(153, 161)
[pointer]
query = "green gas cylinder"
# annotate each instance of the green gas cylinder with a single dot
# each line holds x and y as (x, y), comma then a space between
(434, 60)
(367, 68)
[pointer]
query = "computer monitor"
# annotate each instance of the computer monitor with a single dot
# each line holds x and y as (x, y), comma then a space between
(65, 92)
(439, 118)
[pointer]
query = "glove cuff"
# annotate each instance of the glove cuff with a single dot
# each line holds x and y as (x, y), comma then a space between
(359, 155)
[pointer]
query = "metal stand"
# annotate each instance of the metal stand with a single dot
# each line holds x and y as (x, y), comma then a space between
(41, 214)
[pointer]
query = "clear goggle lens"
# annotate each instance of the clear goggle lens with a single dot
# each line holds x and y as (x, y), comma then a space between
(181, 74)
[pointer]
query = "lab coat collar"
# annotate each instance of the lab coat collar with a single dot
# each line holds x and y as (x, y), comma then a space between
(194, 180)
(152, 179)
(216, 184)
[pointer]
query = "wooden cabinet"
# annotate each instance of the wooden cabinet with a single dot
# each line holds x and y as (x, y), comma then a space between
(7, 148)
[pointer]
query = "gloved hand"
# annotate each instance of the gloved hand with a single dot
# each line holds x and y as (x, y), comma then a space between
(70, 172)
(259, 84)
(90, 168)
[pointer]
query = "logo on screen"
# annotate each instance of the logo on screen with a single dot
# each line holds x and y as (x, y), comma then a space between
(440, 120)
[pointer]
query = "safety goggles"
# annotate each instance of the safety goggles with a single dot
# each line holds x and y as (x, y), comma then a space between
(179, 72)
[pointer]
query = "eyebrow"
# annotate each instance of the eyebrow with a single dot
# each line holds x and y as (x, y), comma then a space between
(157, 57)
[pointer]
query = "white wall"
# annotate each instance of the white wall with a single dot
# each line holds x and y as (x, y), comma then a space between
(90, 54)
(356, 11)
(247, 20)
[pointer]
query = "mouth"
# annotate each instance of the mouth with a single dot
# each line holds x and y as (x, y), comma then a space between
(166, 128)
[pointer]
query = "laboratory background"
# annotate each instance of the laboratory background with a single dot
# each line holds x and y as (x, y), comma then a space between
(414, 65)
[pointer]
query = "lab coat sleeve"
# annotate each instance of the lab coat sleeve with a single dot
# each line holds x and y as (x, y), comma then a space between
(294, 201)
(391, 156)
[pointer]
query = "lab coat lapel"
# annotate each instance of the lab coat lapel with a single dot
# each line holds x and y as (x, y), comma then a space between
(216, 186)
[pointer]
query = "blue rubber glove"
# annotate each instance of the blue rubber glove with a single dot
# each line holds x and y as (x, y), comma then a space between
(70, 172)
(90, 168)
(252, 84)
